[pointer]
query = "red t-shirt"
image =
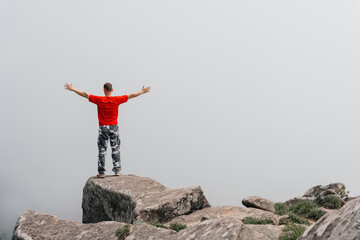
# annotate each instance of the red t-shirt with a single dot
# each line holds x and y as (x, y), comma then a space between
(108, 108)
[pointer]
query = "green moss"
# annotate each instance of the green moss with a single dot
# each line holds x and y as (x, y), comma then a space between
(177, 226)
(252, 220)
(123, 232)
(156, 224)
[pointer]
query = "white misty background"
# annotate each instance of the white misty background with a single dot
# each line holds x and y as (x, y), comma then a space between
(248, 98)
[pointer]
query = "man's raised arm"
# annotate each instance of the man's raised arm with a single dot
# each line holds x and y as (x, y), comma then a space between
(80, 93)
(143, 90)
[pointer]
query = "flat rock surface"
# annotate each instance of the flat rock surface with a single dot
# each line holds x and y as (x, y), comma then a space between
(144, 231)
(225, 211)
(270, 232)
(222, 228)
(39, 226)
(128, 198)
(343, 224)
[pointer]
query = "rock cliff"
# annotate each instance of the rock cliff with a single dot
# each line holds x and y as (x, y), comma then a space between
(136, 206)
(129, 198)
(35, 226)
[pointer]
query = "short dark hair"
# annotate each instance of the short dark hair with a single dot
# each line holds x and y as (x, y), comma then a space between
(108, 87)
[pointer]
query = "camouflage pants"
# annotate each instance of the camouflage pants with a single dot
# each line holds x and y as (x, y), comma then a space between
(105, 133)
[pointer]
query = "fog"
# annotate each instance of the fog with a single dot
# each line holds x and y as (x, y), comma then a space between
(248, 97)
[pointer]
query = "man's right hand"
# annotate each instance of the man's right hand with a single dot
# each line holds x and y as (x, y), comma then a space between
(69, 87)
(80, 93)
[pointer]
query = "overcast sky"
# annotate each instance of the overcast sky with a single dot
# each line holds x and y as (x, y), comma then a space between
(248, 97)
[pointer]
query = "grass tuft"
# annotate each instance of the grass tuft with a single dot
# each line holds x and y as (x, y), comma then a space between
(258, 221)
(159, 225)
(292, 218)
(315, 214)
(307, 209)
(123, 232)
(330, 202)
(281, 209)
(291, 232)
(177, 226)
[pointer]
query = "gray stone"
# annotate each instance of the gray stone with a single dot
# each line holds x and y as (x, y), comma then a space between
(315, 191)
(270, 232)
(327, 192)
(142, 231)
(213, 229)
(258, 202)
(128, 198)
(343, 224)
(225, 211)
(221, 228)
(35, 226)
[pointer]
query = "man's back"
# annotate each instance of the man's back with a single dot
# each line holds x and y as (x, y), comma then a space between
(108, 108)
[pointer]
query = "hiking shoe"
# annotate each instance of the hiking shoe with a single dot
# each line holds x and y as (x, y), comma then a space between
(117, 174)
(101, 175)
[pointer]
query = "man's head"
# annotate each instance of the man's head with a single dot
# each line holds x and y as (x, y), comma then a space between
(108, 89)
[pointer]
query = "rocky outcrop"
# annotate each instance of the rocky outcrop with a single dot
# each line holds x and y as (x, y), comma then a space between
(343, 224)
(128, 198)
(33, 225)
(222, 228)
(321, 191)
(317, 190)
(110, 203)
(258, 202)
(213, 229)
(225, 211)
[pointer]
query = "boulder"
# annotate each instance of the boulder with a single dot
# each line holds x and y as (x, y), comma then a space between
(258, 202)
(327, 192)
(317, 190)
(34, 225)
(128, 198)
(343, 224)
(225, 211)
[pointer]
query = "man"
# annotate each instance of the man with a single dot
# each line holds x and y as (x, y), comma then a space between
(107, 108)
